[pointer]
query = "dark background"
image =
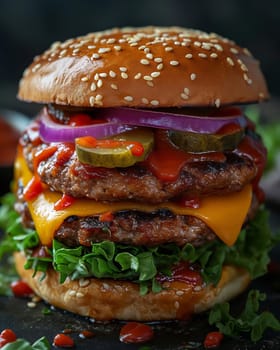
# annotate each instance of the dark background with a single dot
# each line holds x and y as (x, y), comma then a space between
(29, 27)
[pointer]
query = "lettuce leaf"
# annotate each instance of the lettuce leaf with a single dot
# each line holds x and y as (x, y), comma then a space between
(249, 321)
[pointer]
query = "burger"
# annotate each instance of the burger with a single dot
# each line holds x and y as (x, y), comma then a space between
(137, 184)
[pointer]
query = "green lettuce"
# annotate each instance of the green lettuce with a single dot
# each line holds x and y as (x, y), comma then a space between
(249, 321)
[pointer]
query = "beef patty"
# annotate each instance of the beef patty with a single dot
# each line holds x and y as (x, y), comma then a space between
(137, 182)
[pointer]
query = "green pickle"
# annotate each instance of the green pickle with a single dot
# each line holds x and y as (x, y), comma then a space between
(118, 156)
(198, 143)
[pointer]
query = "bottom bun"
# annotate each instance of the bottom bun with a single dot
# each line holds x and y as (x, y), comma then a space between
(109, 299)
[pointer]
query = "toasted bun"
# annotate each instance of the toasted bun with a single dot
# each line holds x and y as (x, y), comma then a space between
(144, 67)
(109, 299)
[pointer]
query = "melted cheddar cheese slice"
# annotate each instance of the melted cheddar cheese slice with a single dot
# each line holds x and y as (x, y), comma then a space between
(224, 214)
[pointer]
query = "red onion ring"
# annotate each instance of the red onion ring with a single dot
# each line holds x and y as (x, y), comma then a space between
(51, 131)
(124, 119)
(173, 121)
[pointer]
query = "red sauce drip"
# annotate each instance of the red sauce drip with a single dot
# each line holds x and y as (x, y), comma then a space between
(213, 340)
(35, 186)
(229, 129)
(82, 119)
(166, 161)
(136, 332)
(63, 341)
(7, 336)
(255, 150)
(85, 334)
(65, 152)
(188, 202)
(64, 202)
(135, 147)
(21, 289)
(183, 272)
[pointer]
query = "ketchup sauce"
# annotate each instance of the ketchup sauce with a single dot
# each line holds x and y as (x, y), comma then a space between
(136, 332)
(183, 272)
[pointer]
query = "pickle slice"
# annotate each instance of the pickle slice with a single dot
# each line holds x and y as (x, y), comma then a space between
(198, 143)
(120, 154)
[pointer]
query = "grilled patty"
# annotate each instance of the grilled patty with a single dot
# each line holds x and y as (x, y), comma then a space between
(137, 182)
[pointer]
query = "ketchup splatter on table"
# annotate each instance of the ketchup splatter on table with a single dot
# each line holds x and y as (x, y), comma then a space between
(136, 332)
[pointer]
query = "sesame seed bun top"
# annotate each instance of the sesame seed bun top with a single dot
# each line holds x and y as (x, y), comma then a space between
(144, 67)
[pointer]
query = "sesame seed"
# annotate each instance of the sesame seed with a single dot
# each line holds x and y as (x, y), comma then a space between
(114, 86)
(95, 56)
(62, 53)
(202, 55)
(72, 293)
(213, 55)
(80, 295)
(150, 56)
(137, 76)
(99, 83)
(36, 67)
(150, 83)
(217, 102)
(145, 100)
(75, 51)
(133, 44)
(84, 282)
(147, 77)
(168, 48)
(177, 43)
(184, 96)
(176, 304)
(84, 79)
(179, 292)
(155, 74)
(186, 90)
(117, 47)
(93, 87)
(128, 98)
(206, 46)
(142, 47)
(234, 50)
(218, 47)
(244, 67)
(123, 69)
(96, 76)
(31, 304)
(230, 61)
(197, 43)
(197, 288)
(158, 59)
(104, 50)
(112, 74)
(247, 52)
(146, 50)
(189, 56)
(111, 41)
(124, 75)
(193, 76)
(160, 66)
(91, 47)
(103, 75)
(92, 100)
(174, 63)
(98, 97)
(144, 61)
(154, 102)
